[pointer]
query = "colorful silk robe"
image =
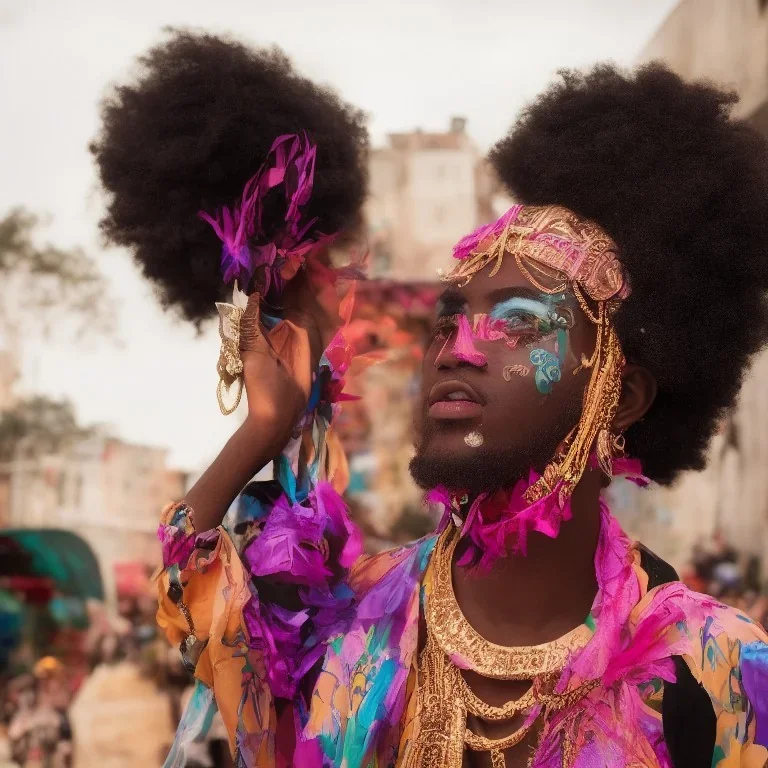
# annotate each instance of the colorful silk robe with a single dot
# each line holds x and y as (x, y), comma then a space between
(340, 691)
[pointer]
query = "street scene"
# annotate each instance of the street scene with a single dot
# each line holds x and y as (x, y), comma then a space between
(108, 381)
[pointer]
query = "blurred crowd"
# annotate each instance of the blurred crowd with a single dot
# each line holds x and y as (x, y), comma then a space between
(130, 674)
(718, 569)
(36, 729)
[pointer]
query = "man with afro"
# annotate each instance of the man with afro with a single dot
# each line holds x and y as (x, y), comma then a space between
(601, 327)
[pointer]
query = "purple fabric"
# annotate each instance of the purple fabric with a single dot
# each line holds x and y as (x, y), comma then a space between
(754, 676)
(618, 593)
(374, 657)
(292, 549)
(339, 524)
(614, 714)
(290, 544)
(307, 752)
(388, 598)
(290, 164)
(177, 545)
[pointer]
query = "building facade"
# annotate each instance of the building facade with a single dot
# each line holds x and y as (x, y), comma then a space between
(726, 42)
(9, 374)
(723, 42)
(106, 490)
(427, 190)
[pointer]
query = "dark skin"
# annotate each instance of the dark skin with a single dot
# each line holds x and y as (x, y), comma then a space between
(276, 398)
(551, 591)
(545, 594)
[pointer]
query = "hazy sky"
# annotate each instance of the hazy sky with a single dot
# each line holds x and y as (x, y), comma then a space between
(408, 63)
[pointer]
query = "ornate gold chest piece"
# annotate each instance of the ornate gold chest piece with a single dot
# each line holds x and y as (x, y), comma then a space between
(445, 699)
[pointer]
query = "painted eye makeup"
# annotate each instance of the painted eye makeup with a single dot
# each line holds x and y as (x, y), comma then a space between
(532, 321)
(445, 325)
(450, 306)
(522, 315)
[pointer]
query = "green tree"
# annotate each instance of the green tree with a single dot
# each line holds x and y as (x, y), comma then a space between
(44, 288)
(38, 425)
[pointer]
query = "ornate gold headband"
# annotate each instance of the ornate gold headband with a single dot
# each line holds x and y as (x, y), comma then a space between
(557, 250)
(556, 240)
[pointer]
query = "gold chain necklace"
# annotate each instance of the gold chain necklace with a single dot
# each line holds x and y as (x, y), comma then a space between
(444, 697)
(459, 640)
(476, 706)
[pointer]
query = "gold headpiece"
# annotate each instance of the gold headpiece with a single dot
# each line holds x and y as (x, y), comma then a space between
(556, 250)
(558, 243)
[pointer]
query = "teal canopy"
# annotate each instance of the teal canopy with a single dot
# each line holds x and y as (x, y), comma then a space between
(63, 557)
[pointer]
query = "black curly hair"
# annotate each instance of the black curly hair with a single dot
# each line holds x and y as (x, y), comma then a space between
(188, 133)
(682, 187)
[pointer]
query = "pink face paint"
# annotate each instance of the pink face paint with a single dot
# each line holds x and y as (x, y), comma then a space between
(462, 336)
(464, 346)
(487, 328)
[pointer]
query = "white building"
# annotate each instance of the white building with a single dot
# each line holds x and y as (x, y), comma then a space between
(427, 190)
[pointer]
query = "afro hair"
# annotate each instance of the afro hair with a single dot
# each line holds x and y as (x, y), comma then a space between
(682, 187)
(187, 134)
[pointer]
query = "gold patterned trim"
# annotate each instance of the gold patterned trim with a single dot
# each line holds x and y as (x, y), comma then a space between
(460, 641)
(484, 744)
(476, 706)
(594, 430)
(555, 240)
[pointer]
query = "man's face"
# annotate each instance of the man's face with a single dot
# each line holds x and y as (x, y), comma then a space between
(515, 383)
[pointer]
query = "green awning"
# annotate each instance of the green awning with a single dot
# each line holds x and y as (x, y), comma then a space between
(63, 557)
(11, 622)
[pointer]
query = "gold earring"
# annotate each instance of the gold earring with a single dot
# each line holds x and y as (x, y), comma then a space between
(233, 331)
(609, 446)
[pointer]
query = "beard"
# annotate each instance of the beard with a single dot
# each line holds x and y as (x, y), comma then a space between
(489, 469)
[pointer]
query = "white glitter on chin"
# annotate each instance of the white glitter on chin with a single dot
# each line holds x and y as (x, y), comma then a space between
(473, 439)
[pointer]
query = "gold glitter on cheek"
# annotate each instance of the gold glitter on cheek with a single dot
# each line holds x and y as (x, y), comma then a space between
(515, 370)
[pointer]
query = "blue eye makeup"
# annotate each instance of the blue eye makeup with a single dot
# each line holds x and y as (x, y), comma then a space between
(520, 306)
(541, 315)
